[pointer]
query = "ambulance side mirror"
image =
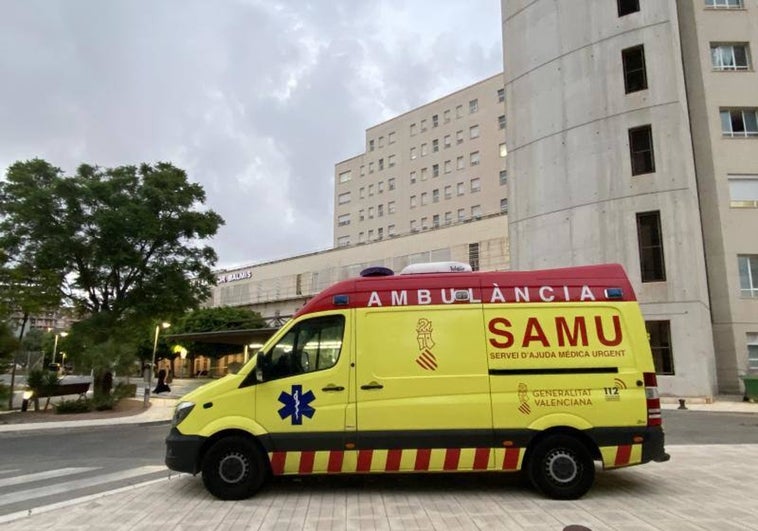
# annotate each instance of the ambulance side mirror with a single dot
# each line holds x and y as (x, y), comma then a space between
(259, 367)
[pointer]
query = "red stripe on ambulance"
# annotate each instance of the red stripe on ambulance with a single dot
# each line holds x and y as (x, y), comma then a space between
(623, 453)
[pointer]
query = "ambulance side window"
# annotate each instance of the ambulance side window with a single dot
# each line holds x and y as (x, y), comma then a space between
(311, 345)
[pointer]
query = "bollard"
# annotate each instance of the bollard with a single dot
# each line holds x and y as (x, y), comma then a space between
(681, 404)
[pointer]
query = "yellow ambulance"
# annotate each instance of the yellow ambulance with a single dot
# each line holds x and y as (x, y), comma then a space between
(437, 369)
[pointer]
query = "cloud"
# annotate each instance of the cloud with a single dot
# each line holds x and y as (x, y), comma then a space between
(256, 100)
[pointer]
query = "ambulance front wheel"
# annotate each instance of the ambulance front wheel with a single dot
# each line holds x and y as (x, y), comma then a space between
(233, 468)
(561, 467)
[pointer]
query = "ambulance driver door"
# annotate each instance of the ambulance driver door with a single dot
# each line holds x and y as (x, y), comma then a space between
(302, 399)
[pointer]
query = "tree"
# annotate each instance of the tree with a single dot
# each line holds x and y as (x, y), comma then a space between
(124, 243)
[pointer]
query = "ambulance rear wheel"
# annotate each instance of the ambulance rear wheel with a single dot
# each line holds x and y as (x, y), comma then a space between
(561, 467)
(233, 468)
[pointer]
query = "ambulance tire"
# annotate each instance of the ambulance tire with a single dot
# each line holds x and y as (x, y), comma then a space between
(561, 467)
(233, 468)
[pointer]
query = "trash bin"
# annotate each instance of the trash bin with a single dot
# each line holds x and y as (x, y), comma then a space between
(751, 387)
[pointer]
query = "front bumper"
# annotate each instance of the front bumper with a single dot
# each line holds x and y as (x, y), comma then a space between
(183, 451)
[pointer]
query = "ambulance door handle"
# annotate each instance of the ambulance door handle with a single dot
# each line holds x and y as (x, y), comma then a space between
(372, 385)
(331, 387)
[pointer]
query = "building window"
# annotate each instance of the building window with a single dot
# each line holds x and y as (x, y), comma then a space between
(424, 223)
(473, 106)
(448, 191)
(730, 56)
(371, 234)
(435, 120)
(473, 132)
(436, 221)
(424, 173)
(752, 351)
(414, 225)
(501, 121)
(390, 230)
(473, 256)
(748, 266)
(379, 211)
(361, 216)
(436, 195)
(345, 176)
(500, 95)
(435, 170)
(739, 122)
(650, 241)
(424, 198)
(371, 167)
(381, 164)
(446, 116)
(361, 237)
(476, 185)
(424, 151)
(413, 201)
(626, 7)
(391, 161)
(343, 220)
(343, 241)
(370, 212)
(743, 191)
(461, 189)
(370, 190)
(363, 170)
(635, 78)
(413, 129)
(459, 111)
(504, 205)
(371, 145)
(473, 159)
(725, 4)
(391, 183)
(659, 333)
(502, 150)
(423, 126)
(459, 137)
(476, 211)
(641, 150)
(391, 138)
(461, 214)
(413, 177)
(448, 166)
(447, 141)
(413, 153)
(435, 145)
(459, 163)
(391, 207)
(448, 217)
(343, 198)
(379, 233)
(503, 177)
(381, 141)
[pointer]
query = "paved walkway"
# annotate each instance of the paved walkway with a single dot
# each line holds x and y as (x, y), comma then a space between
(701, 488)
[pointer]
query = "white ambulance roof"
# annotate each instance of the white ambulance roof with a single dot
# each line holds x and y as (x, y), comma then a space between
(436, 267)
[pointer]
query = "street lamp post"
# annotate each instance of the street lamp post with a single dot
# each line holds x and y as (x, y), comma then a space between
(55, 344)
(152, 366)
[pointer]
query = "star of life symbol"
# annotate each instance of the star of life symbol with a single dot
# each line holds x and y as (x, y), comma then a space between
(296, 404)
(426, 360)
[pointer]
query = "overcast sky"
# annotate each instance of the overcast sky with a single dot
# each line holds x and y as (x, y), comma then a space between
(257, 100)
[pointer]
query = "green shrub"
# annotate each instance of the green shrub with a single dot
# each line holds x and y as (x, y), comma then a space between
(73, 406)
(103, 403)
(123, 390)
(5, 393)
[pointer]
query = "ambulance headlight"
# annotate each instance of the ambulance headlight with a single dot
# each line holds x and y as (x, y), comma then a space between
(181, 412)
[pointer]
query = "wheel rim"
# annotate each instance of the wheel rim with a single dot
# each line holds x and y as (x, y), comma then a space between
(561, 467)
(233, 468)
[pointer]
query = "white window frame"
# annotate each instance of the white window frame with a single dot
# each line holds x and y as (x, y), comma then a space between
(751, 290)
(720, 51)
(728, 116)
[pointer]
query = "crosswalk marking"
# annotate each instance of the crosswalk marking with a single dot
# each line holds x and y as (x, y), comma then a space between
(27, 478)
(67, 486)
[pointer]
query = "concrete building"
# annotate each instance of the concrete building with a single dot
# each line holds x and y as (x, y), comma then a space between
(431, 186)
(632, 136)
